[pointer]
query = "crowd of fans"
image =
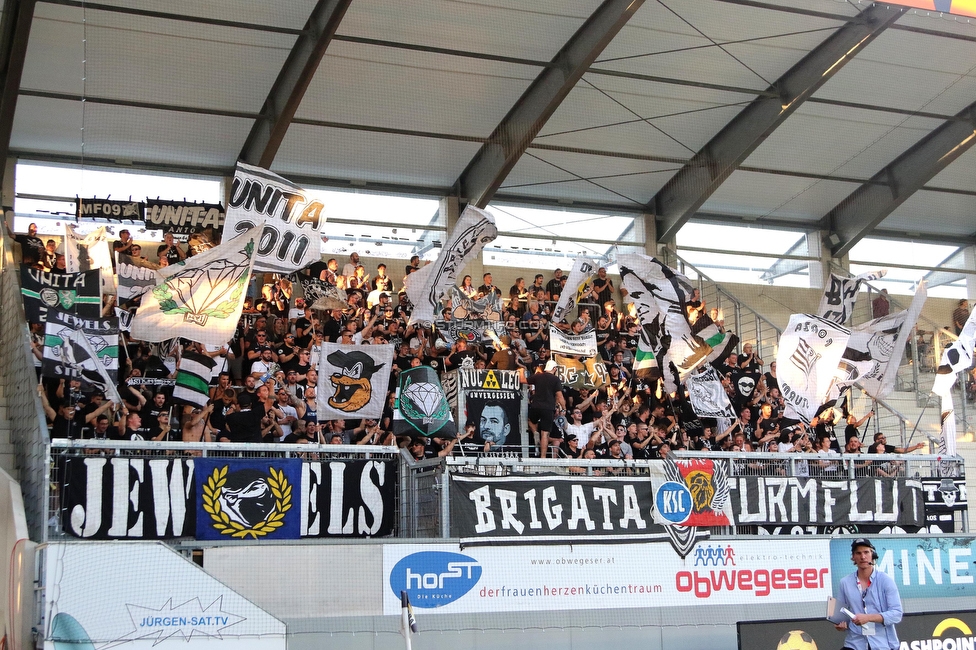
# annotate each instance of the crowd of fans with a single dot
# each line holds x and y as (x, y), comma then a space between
(265, 380)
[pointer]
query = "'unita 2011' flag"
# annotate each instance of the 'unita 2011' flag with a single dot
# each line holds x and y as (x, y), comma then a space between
(202, 297)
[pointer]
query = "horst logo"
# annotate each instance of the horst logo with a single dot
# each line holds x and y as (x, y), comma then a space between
(434, 578)
(674, 502)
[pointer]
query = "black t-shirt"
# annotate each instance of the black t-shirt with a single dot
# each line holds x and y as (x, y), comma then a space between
(32, 249)
(244, 426)
(546, 387)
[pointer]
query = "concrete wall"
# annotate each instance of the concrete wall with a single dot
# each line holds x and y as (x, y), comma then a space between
(16, 567)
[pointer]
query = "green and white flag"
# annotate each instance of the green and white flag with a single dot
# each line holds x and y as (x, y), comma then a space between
(202, 297)
(193, 379)
(82, 349)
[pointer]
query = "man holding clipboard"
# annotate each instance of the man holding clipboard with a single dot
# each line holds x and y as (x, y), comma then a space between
(867, 605)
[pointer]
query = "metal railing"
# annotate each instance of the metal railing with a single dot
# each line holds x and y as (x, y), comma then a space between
(750, 325)
(426, 483)
(28, 427)
(61, 449)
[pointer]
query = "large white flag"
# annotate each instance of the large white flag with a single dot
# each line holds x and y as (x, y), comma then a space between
(583, 269)
(353, 381)
(583, 345)
(875, 349)
(947, 445)
(87, 253)
(426, 287)
(809, 353)
(956, 357)
(660, 294)
(202, 297)
(292, 221)
(840, 294)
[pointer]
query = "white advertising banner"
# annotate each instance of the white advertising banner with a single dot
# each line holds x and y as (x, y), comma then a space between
(146, 595)
(441, 578)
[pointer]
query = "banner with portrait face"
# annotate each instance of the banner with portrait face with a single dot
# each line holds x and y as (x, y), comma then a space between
(493, 401)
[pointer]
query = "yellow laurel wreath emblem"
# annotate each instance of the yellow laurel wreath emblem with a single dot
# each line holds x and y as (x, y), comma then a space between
(280, 488)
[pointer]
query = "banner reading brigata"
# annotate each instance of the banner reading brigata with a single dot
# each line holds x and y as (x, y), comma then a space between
(206, 498)
(443, 578)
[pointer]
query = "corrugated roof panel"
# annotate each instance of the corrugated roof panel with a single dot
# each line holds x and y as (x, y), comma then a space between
(782, 197)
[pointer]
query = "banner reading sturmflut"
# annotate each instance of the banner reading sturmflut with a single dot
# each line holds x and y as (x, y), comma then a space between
(353, 380)
(809, 351)
(292, 221)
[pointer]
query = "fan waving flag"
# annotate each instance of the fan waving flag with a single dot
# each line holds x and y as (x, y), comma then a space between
(202, 297)
(426, 287)
(659, 295)
(837, 303)
(288, 219)
(69, 353)
(809, 352)
(956, 357)
(193, 379)
(583, 269)
(136, 277)
(358, 377)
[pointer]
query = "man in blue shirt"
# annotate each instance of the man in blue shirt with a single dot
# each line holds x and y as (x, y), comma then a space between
(872, 597)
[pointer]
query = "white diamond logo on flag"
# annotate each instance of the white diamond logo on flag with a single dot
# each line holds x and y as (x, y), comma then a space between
(425, 395)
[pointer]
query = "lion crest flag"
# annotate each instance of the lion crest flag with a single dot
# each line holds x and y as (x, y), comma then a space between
(353, 381)
(202, 297)
(427, 286)
(421, 406)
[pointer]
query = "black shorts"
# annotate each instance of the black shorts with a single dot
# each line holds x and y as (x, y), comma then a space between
(542, 417)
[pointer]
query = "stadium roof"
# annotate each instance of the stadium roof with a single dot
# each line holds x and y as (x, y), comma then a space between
(853, 118)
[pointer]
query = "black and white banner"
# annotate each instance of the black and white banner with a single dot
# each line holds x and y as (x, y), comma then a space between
(104, 210)
(183, 218)
(136, 276)
(583, 269)
(140, 498)
(708, 396)
(589, 373)
(78, 293)
(583, 345)
(826, 502)
(291, 238)
(553, 508)
(809, 353)
(86, 349)
(492, 400)
(427, 286)
(840, 294)
(945, 494)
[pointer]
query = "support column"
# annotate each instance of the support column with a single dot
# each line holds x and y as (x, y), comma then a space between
(969, 259)
(648, 224)
(820, 244)
(8, 191)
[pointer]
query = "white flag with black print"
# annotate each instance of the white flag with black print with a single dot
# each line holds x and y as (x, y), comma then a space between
(290, 218)
(583, 269)
(956, 357)
(353, 381)
(809, 353)
(947, 445)
(428, 286)
(875, 350)
(87, 252)
(708, 396)
(840, 294)
(658, 291)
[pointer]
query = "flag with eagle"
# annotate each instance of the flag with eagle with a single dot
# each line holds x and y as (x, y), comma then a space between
(353, 381)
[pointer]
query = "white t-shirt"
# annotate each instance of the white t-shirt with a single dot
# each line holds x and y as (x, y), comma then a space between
(287, 409)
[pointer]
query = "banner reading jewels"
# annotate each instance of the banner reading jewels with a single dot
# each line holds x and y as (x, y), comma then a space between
(824, 502)
(208, 498)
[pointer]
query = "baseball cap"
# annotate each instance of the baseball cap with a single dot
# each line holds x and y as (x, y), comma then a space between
(862, 541)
